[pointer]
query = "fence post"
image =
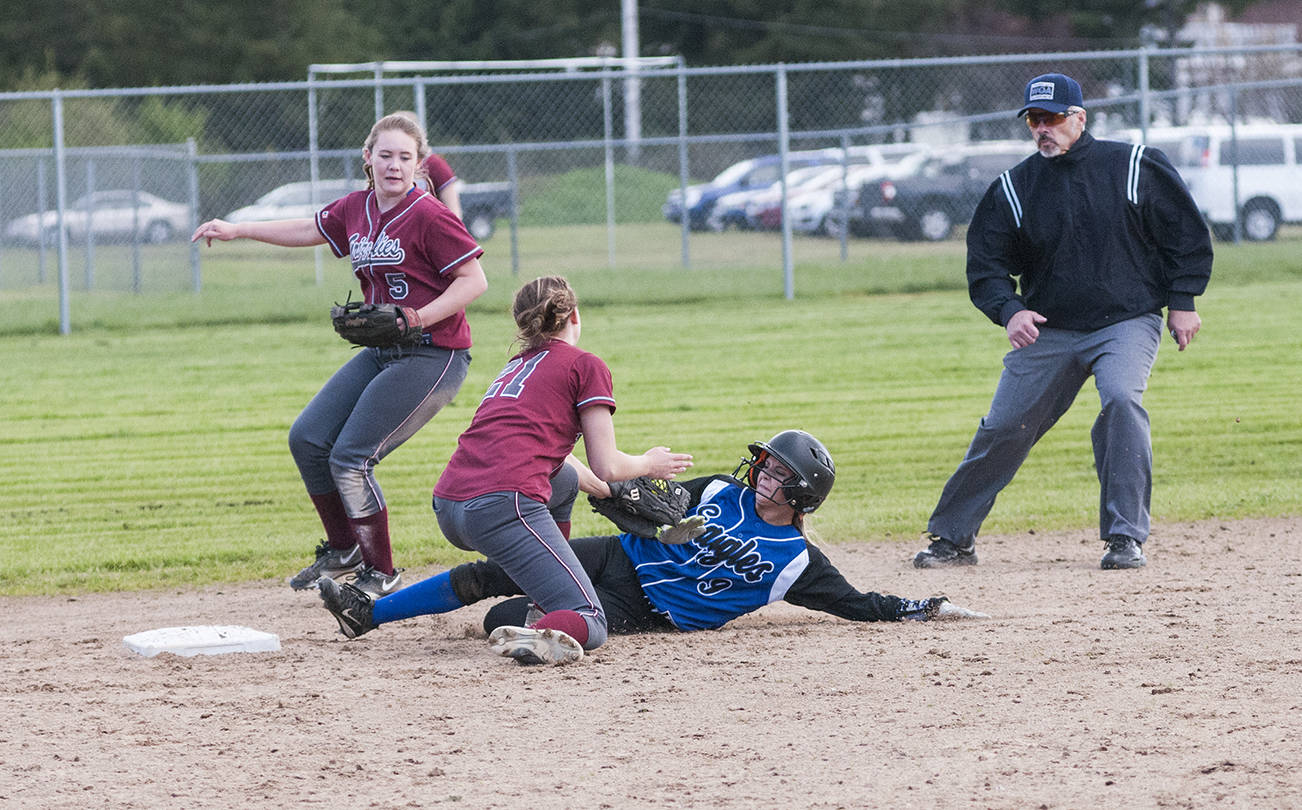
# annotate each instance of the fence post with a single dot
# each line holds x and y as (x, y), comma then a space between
(42, 192)
(632, 84)
(1144, 110)
(607, 135)
(90, 225)
(1234, 167)
(135, 225)
(682, 166)
(841, 202)
(784, 137)
(314, 165)
(196, 276)
(512, 175)
(418, 91)
(61, 201)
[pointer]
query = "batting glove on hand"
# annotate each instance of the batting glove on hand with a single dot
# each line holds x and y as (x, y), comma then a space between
(685, 530)
(936, 608)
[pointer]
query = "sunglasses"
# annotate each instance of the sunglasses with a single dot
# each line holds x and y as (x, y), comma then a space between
(1036, 117)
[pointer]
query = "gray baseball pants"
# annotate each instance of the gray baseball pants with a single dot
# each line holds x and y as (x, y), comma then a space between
(1039, 383)
(371, 405)
(520, 535)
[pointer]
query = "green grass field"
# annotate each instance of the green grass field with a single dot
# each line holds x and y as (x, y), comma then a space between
(148, 448)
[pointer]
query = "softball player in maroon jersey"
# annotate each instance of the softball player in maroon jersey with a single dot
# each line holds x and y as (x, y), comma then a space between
(406, 249)
(492, 495)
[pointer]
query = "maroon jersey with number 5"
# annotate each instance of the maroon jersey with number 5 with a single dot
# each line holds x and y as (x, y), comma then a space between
(405, 255)
(527, 423)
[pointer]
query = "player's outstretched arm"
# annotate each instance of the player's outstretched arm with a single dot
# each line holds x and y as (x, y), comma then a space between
(283, 232)
(823, 587)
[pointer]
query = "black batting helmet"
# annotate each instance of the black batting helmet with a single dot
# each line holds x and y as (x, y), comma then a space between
(811, 466)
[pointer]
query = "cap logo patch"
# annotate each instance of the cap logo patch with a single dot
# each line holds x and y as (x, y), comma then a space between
(1040, 91)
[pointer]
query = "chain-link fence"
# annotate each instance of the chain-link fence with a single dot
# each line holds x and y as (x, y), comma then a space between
(627, 168)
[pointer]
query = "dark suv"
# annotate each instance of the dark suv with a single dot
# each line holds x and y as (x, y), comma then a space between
(943, 193)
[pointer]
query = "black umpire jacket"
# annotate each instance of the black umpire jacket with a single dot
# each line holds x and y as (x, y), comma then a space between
(1103, 233)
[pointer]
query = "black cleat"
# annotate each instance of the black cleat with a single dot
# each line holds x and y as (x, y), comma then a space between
(942, 553)
(350, 607)
(1123, 552)
(329, 562)
(374, 583)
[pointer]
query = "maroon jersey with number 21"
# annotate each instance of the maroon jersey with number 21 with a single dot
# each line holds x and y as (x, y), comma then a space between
(527, 423)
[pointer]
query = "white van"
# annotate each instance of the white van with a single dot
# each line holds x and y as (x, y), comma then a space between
(1269, 173)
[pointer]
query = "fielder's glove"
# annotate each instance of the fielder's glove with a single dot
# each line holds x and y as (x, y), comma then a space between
(936, 608)
(643, 505)
(376, 324)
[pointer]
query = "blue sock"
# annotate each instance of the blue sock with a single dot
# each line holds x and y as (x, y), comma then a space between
(433, 595)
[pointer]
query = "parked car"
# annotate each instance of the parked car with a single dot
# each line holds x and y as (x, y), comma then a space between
(758, 174)
(117, 214)
(294, 200)
(737, 210)
(482, 204)
(1269, 161)
(748, 175)
(764, 210)
(821, 209)
(943, 193)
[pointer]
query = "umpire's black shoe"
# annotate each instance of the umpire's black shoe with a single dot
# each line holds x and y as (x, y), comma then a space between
(351, 607)
(943, 553)
(1123, 552)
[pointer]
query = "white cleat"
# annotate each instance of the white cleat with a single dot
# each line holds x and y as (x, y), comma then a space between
(529, 646)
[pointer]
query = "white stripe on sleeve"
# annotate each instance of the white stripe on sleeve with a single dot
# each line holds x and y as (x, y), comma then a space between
(1011, 194)
(1132, 176)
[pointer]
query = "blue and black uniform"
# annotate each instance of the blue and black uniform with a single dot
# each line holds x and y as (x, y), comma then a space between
(739, 564)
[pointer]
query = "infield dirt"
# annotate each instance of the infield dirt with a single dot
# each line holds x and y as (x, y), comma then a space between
(1176, 685)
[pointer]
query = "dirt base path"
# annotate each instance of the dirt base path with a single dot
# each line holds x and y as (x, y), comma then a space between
(1177, 685)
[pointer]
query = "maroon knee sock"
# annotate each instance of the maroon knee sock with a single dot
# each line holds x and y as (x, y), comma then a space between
(339, 532)
(372, 533)
(564, 526)
(567, 621)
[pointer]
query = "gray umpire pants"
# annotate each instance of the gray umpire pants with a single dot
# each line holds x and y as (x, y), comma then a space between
(1039, 383)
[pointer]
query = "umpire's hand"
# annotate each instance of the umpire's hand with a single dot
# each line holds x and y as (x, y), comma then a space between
(1022, 327)
(1183, 325)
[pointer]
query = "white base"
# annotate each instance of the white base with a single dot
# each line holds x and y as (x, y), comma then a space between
(204, 640)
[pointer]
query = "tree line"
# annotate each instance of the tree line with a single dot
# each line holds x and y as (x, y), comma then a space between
(138, 43)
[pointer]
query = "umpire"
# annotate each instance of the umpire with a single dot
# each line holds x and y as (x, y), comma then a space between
(1075, 251)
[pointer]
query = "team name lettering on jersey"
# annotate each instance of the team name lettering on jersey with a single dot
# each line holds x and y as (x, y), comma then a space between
(384, 250)
(738, 564)
(718, 548)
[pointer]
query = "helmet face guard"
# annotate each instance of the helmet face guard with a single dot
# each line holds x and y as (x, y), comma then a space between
(812, 470)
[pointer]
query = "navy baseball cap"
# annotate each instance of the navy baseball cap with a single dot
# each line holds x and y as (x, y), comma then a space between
(1053, 92)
